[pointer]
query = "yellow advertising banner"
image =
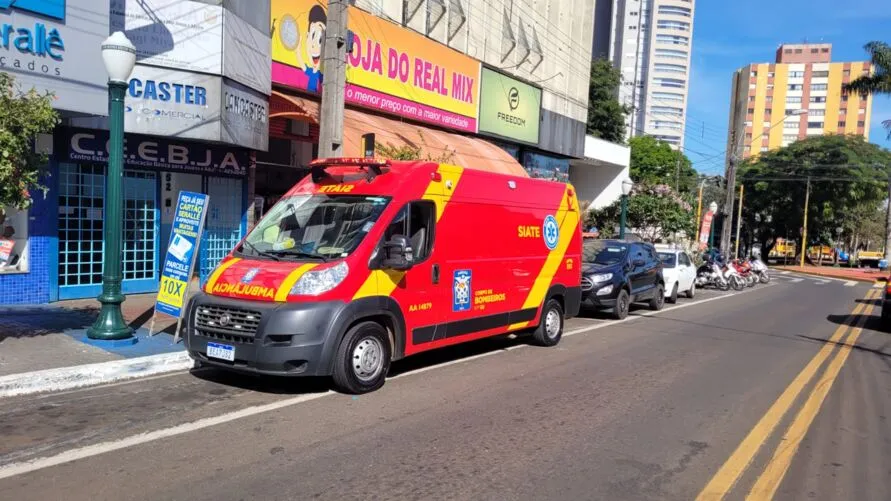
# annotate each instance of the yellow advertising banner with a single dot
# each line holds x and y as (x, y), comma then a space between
(390, 69)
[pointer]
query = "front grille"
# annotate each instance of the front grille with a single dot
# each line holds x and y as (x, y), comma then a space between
(587, 284)
(227, 324)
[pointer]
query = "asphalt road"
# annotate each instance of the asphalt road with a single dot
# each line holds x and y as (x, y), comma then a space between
(766, 394)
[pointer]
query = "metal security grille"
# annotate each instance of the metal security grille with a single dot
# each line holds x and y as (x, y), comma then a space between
(222, 229)
(81, 208)
(81, 223)
(140, 225)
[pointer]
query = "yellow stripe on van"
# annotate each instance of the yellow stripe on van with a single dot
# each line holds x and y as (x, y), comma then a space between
(569, 221)
(384, 282)
(284, 290)
(217, 272)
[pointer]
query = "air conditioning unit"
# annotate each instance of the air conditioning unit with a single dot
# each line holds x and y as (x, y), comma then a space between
(298, 128)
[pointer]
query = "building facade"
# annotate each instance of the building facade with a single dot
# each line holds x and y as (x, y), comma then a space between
(650, 42)
(196, 113)
(799, 95)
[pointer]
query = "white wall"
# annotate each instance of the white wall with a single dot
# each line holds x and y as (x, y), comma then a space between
(598, 178)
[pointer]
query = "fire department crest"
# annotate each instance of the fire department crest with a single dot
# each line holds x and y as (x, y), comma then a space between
(461, 290)
(249, 276)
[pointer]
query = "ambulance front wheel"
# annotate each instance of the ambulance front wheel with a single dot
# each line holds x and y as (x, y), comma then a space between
(363, 359)
(550, 329)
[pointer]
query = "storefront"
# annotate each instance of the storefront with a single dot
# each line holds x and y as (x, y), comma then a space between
(193, 123)
(407, 89)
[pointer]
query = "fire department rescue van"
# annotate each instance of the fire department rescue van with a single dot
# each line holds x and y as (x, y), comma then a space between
(368, 261)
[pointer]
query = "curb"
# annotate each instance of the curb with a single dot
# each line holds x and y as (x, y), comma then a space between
(834, 277)
(67, 378)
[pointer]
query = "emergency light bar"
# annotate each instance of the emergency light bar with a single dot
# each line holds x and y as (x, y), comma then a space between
(317, 167)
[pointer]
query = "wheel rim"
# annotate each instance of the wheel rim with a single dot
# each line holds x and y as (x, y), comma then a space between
(368, 359)
(552, 324)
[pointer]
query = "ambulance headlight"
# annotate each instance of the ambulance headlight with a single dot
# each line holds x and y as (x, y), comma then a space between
(313, 283)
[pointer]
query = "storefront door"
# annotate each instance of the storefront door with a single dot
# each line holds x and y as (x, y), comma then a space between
(81, 223)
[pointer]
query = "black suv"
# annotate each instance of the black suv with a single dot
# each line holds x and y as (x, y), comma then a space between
(616, 273)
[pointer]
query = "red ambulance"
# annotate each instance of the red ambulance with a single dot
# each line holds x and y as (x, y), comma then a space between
(368, 261)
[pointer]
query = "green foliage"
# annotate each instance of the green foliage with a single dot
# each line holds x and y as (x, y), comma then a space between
(655, 162)
(412, 151)
(654, 213)
(846, 172)
(880, 81)
(606, 116)
(23, 115)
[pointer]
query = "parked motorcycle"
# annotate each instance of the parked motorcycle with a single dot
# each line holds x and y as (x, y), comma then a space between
(745, 271)
(711, 274)
(759, 268)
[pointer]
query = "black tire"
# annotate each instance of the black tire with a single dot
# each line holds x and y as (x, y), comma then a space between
(353, 372)
(692, 292)
(737, 283)
(765, 277)
(550, 328)
(623, 302)
(658, 301)
(674, 294)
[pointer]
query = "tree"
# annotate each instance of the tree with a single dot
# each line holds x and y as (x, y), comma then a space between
(412, 151)
(23, 115)
(654, 212)
(655, 162)
(880, 80)
(845, 171)
(606, 116)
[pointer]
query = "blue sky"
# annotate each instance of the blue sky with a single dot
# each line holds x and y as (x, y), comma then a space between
(729, 35)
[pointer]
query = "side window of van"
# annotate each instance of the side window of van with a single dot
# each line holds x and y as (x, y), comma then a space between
(415, 221)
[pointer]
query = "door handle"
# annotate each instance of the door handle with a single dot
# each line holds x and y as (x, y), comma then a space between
(435, 273)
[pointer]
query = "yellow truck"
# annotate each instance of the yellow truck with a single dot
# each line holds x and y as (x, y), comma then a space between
(869, 258)
(783, 249)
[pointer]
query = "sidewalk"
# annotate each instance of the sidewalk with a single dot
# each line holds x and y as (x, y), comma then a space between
(857, 274)
(49, 343)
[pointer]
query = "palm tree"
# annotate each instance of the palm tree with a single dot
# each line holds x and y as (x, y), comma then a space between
(879, 82)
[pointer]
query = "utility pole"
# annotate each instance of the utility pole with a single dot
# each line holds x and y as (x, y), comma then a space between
(738, 221)
(334, 80)
(807, 200)
(727, 225)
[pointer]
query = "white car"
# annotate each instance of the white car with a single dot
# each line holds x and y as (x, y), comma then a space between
(679, 274)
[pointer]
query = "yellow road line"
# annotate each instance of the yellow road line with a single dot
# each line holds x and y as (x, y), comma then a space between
(727, 476)
(769, 481)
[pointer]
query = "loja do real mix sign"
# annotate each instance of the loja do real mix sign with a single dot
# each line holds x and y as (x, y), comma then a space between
(390, 69)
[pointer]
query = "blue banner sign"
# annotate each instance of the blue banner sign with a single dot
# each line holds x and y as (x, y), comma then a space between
(188, 222)
(155, 153)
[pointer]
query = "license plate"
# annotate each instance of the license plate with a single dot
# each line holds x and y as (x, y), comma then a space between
(221, 351)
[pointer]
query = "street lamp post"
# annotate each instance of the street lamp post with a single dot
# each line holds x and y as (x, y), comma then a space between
(713, 207)
(627, 184)
(119, 56)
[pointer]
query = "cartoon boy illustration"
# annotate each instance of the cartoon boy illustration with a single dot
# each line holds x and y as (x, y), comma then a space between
(310, 54)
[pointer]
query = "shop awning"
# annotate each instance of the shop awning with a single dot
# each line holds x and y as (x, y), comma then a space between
(469, 152)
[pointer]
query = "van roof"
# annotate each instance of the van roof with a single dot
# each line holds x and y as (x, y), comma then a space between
(392, 177)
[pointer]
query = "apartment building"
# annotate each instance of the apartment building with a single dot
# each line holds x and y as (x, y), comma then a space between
(799, 95)
(650, 41)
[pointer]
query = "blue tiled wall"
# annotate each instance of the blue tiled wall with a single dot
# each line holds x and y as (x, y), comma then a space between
(38, 285)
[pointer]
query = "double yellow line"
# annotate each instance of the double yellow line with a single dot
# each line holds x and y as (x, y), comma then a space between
(769, 480)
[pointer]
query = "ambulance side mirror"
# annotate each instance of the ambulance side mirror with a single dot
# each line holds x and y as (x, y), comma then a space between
(397, 254)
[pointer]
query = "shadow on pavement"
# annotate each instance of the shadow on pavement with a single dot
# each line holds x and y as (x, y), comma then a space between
(36, 321)
(307, 385)
(873, 302)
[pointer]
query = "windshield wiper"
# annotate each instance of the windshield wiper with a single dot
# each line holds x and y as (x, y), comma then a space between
(258, 252)
(298, 252)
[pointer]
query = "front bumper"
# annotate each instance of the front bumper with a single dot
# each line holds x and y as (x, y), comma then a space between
(290, 339)
(599, 297)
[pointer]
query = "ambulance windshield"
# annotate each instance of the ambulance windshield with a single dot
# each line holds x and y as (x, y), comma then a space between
(313, 227)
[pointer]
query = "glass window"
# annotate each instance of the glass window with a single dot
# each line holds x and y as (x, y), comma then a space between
(315, 227)
(669, 259)
(685, 260)
(13, 240)
(418, 227)
(604, 252)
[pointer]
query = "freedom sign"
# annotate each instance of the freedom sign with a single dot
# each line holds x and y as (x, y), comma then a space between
(188, 223)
